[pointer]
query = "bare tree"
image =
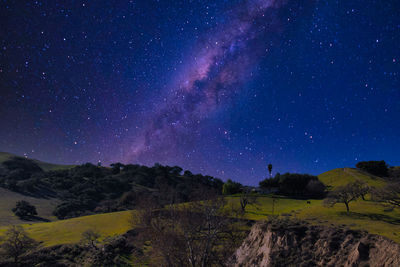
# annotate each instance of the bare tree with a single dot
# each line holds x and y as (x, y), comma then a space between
(90, 238)
(389, 194)
(363, 188)
(193, 234)
(16, 242)
(247, 198)
(343, 194)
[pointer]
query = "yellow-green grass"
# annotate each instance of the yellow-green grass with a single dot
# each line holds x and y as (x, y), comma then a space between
(265, 204)
(8, 200)
(69, 231)
(44, 165)
(364, 215)
(343, 176)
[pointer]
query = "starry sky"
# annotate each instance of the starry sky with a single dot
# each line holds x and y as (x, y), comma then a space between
(215, 86)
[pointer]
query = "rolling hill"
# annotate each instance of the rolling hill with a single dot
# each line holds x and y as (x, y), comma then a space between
(44, 206)
(69, 231)
(8, 198)
(343, 176)
(44, 165)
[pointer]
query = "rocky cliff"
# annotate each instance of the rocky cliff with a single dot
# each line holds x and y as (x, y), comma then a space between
(300, 244)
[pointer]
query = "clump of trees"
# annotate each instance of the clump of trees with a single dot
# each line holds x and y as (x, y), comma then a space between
(231, 187)
(24, 210)
(294, 184)
(88, 188)
(18, 174)
(15, 243)
(378, 168)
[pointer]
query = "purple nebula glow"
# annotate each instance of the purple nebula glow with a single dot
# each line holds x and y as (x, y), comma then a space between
(215, 73)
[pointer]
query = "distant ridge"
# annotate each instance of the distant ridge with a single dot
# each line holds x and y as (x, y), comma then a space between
(44, 165)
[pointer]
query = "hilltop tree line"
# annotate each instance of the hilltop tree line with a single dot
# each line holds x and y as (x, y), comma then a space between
(295, 185)
(88, 188)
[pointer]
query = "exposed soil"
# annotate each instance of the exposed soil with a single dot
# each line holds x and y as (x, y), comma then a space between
(301, 244)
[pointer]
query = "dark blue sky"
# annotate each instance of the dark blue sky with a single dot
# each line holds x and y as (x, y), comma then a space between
(218, 87)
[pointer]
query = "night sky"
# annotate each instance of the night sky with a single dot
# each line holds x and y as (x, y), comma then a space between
(217, 87)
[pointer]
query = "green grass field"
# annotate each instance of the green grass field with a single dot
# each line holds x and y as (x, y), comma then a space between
(70, 231)
(364, 215)
(342, 176)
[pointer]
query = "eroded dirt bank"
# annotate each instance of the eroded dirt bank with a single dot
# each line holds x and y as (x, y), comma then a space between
(301, 244)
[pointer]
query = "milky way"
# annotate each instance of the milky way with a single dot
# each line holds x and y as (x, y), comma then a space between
(218, 87)
(215, 73)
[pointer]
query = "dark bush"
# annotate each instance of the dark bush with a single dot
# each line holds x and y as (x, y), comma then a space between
(24, 209)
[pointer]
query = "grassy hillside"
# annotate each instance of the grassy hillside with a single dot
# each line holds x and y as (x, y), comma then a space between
(70, 231)
(364, 215)
(8, 199)
(343, 176)
(44, 165)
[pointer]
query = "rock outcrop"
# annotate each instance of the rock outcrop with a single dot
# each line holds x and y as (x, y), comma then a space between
(301, 244)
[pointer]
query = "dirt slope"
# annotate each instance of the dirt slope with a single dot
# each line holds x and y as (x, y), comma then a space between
(299, 244)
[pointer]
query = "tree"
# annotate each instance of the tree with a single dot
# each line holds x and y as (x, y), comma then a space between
(389, 194)
(24, 209)
(231, 187)
(270, 169)
(363, 188)
(247, 198)
(343, 194)
(16, 242)
(315, 188)
(90, 238)
(378, 168)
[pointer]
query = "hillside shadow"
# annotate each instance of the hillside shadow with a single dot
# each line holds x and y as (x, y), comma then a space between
(372, 217)
(35, 219)
(39, 192)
